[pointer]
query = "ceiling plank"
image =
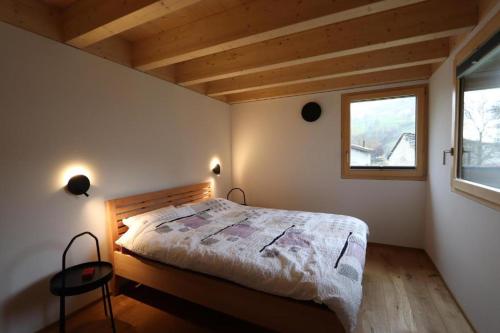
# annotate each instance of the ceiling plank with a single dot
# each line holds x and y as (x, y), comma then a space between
(166, 73)
(486, 31)
(43, 19)
(33, 16)
(114, 48)
(86, 22)
(429, 20)
(422, 72)
(410, 55)
(250, 23)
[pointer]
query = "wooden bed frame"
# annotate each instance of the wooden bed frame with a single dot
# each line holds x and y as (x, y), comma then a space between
(269, 311)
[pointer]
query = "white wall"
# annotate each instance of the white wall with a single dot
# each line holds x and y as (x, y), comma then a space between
(60, 106)
(282, 161)
(462, 236)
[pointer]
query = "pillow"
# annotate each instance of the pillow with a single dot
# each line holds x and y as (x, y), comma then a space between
(136, 224)
(152, 216)
(134, 229)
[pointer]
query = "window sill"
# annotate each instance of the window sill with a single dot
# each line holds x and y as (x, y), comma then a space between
(381, 174)
(483, 194)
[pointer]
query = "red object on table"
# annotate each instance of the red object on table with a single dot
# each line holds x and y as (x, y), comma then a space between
(88, 273)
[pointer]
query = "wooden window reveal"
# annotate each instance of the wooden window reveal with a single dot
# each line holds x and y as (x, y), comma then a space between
(476, 166)
(384, 134)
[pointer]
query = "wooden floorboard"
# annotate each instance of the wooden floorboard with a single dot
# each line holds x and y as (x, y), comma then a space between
(403, 292)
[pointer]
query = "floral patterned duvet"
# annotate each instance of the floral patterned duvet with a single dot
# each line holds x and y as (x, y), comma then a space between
(302, 255)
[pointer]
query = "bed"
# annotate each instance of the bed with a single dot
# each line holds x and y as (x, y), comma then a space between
(283, 270)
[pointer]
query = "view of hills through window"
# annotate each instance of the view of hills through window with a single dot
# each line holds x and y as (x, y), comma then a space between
(383, 132)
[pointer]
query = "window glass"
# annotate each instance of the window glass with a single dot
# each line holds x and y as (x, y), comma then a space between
(480, 121)
(383, 133)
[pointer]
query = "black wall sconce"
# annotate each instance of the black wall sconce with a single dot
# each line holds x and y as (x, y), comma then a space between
(216, 169)
(78, 185)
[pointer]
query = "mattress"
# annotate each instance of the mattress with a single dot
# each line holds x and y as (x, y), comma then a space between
(302, 255)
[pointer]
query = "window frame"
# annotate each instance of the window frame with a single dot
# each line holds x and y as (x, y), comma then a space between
(483, 194)
(418, 173)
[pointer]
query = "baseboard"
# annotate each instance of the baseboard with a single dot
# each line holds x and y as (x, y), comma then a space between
(73, 313)
(374, 244)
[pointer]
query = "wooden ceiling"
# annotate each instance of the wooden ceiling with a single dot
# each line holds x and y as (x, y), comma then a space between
(243, 50)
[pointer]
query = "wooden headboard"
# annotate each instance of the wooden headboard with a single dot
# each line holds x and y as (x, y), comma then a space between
(121, 208)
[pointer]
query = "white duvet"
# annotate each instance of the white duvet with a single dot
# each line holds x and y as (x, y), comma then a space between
(305, 256)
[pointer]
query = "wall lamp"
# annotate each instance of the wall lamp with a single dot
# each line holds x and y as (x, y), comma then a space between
(78, 185)
(216, 169)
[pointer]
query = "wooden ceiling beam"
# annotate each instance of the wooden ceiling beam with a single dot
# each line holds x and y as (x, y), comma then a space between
(416, 73)
(432, 19)
(249, 23)
(89, 21)
(410, 55)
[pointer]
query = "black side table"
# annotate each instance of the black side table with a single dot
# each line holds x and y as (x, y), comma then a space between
(69, 282)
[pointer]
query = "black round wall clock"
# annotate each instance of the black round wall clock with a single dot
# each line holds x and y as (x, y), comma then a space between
(311, 112)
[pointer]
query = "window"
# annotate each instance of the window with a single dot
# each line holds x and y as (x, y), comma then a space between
(384, 134)
(477, 162)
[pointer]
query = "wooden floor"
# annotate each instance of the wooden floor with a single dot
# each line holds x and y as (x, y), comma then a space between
(403, 292)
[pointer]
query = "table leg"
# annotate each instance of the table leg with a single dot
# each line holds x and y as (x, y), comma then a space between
(62, 315)
(110, 308)
(104, 301)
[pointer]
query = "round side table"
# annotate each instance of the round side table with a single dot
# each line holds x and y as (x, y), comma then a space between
(69, 282)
